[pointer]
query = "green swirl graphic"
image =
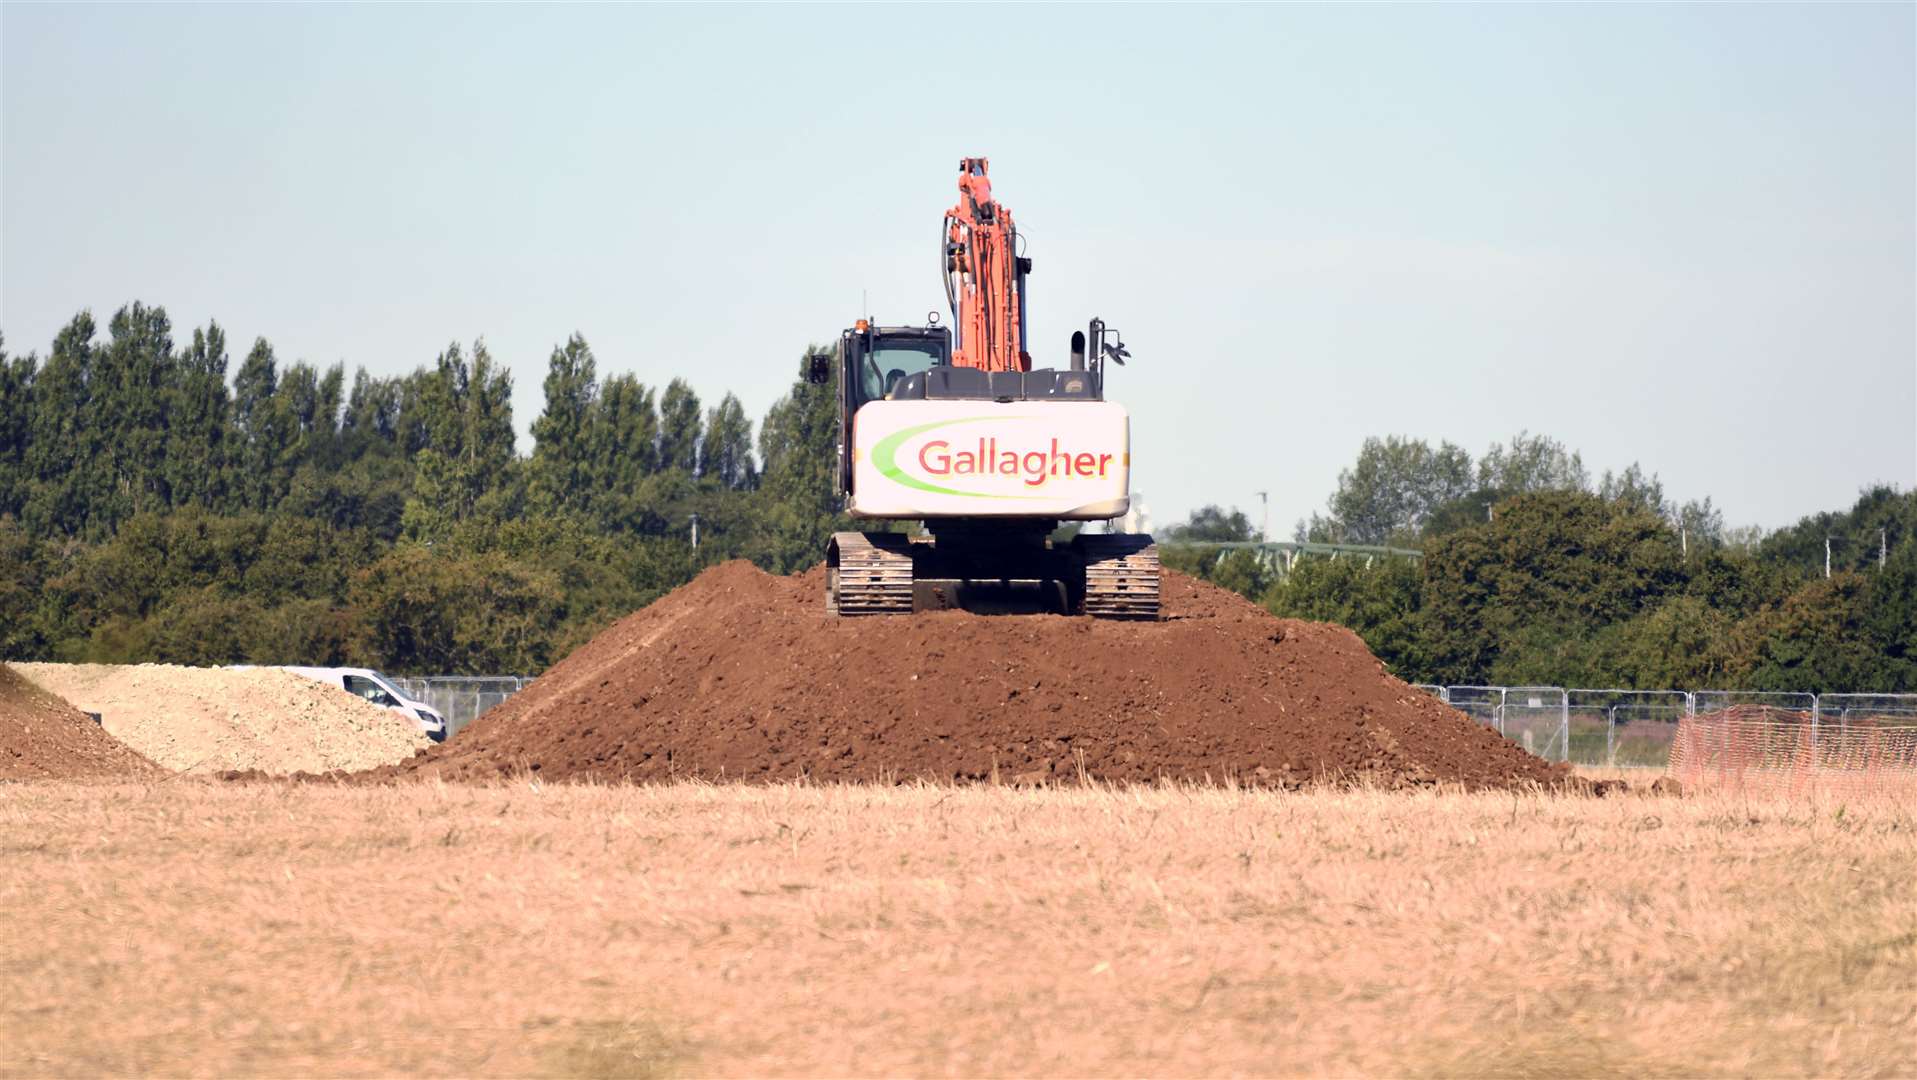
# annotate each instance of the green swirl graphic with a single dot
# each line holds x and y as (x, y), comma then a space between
(885, 455)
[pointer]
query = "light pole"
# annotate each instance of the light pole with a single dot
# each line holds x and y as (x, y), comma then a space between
(1264, 517)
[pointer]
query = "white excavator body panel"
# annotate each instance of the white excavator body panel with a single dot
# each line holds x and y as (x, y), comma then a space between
(1063, 460)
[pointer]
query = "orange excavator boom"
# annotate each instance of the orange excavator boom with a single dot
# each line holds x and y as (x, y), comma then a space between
(985, 277)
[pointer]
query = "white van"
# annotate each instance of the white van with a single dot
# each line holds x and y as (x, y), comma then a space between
(378, 689)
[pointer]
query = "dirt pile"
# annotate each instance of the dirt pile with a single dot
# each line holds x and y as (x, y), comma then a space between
(742, 675)
(211, 719)
(44, 738)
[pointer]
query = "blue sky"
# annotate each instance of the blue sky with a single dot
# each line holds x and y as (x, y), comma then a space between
(1681, 235)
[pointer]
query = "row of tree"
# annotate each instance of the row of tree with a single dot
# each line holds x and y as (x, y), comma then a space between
(1531, 574)
(1404, 491)
(151, 508)
(102, 431)
(154, 508)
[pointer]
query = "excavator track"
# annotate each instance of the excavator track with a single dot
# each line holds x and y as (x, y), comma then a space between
(869, 574)
(1121, 576)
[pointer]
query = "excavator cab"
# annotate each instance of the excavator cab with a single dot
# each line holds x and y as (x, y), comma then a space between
(878, 358)
(874, 361)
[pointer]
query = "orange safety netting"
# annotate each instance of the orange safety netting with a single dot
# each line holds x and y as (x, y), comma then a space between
(1763, 747)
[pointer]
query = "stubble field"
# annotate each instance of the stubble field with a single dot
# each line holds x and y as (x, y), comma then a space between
(187, 927)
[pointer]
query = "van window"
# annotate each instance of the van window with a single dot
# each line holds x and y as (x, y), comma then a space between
(370, 690)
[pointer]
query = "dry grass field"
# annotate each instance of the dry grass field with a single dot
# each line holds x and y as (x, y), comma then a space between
(190, 928)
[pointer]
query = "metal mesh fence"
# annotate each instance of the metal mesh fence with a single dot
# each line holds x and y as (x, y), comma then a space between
(1736, 736)
(1535, 718)
(1624, 728)
(1755, 702)
(1478, 702)
(1641, 735)
(461, 698)
(1841, 709)
(1587, 735)
(1540, 730)
(1627, 729)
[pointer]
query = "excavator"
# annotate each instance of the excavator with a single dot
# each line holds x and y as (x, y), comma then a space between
(953, 427)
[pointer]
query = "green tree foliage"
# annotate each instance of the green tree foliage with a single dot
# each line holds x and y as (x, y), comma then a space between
(138, 595)
(1698, 522)
(725, 453)
(354, 477)
(372, 411)
(197, 423)
(1881, 519)
(1612, 585)
(1633, 488)
(466, 465)
(1816, 639)
(152, 510)
(64, 446)
(1395, 487)
(1890, 615)
(1240, 571)
(797, 508)
(1402, 490)
(260, 442)
(1567, 587)
(133, 377)
(1460, 513)
(623, 457)
(1511, 595)
(1682, 642)
(1531, 463)
(561, 468)
(16, 416)
(1213, 524)
(22, 575)
(679, 428)
(1381, 601)
(484, 612)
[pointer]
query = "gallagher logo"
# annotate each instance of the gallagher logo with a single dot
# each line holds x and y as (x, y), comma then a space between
(986, 456)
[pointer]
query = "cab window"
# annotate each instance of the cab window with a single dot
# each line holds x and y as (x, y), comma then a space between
(891, 360)
(370, 690)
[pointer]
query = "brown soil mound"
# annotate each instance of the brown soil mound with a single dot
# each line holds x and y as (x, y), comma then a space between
(742, 675)
(207, 720)
(44, 738)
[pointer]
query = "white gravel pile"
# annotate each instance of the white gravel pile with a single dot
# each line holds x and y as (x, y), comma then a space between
(203, 720)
